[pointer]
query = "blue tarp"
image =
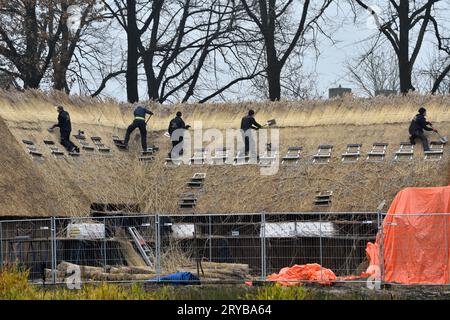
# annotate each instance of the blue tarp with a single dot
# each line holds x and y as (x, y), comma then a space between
(179, 278)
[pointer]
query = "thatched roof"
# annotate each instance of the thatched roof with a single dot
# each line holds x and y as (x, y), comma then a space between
(68, 187)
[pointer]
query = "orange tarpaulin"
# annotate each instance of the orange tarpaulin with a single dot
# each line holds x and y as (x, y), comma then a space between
(372, 254)
(292, 276)
(416, 246)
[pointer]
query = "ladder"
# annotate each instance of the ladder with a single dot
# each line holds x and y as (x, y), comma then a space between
(293, 155)
(323, 155)
(142, 246)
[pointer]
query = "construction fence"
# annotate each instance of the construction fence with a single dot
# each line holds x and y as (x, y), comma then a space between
(216, 248)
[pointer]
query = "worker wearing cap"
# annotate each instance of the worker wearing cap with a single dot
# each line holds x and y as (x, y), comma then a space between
(248, 122)
(417, 127)
(139, 122)
(65, 127)
(174, 125)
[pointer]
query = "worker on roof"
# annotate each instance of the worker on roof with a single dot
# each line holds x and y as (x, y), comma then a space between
(417, 127)
(139, 122)
(65, 127)
(247, 124)
(176, 137)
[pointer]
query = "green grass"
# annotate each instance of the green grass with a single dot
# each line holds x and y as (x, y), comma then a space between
(14, 285)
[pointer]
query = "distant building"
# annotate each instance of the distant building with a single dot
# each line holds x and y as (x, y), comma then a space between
(385, 93)
(338, 92)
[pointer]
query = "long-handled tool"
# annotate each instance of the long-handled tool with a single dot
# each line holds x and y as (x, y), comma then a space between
(444, 140)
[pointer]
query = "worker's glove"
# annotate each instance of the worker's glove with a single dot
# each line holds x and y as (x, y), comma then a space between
(188, 127)
(435, 130)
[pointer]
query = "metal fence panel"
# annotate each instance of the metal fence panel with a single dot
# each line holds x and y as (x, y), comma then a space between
(106, 249)
(334, 241)
(221, 248)
(26, 245)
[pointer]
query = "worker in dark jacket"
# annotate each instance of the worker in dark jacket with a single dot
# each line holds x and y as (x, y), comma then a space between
(417, 127)
(139, 122)
(65, 127)
(177, 138)
(248, 122)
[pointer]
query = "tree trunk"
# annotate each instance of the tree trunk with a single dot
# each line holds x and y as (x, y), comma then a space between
(273, 72)
(61, 60)
(133, 56)
(274, 79)
(152, 83)
(268, 17)
(60, 77)
(32, 78)
(403, 54)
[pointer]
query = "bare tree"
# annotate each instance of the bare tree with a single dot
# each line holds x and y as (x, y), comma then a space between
(374, 71)
(183, 45)
(295, 81)
(280, 41)
(404, 27)
(441, 67)
(128, 13)
(82, 14)
(434, 76)
(29, 32)
(97, 60)
(173, 61)
(37, 41)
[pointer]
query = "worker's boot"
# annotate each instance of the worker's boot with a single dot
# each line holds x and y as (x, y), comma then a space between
(74, 150)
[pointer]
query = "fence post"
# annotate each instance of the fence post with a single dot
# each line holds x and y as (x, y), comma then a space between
(53, 247)
(263, 247)
(210, 237)
(105, 260)
(1, 246)
(446, 244)
(158, 248)
(381, 252)
(381, 244)
(320, 246)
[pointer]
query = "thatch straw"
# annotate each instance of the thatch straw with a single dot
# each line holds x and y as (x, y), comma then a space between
(68, 187)
(35, 106)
